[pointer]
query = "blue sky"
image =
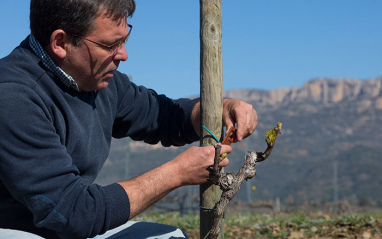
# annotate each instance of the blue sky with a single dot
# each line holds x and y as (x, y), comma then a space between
(266, 44)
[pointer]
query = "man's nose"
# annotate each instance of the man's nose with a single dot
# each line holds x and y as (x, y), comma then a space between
(121, 53)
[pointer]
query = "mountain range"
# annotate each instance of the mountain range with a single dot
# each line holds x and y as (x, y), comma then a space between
(330, 145)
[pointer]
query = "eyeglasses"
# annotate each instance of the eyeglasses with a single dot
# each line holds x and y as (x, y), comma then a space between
(113, 47)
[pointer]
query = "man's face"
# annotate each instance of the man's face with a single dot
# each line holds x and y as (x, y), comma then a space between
(92, 65)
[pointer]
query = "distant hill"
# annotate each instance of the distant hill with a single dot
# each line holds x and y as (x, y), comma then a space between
(326, 122)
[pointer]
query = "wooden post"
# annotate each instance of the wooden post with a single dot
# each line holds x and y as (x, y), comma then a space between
(211, 97)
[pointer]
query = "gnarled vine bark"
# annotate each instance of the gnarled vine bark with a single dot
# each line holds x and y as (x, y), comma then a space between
(230, 183)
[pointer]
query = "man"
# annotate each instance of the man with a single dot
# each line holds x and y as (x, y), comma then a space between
(62, 100)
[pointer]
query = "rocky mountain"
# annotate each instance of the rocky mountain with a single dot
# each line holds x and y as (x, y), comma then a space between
(322, 91)
(328, 124)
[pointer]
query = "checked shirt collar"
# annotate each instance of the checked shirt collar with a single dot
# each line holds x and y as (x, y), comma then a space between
(66, 79)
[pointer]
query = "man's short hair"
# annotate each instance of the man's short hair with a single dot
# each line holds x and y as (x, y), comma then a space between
(75, 16)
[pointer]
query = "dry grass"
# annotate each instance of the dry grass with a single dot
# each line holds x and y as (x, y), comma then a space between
(281, 226)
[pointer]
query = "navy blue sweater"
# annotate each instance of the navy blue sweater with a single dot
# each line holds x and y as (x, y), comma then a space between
(54, 141)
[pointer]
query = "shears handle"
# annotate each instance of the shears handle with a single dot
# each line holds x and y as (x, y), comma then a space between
(230, 135)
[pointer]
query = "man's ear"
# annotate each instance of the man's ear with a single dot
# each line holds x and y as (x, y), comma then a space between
(58, 39)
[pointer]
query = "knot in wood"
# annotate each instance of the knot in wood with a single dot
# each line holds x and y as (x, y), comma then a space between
(212, 28)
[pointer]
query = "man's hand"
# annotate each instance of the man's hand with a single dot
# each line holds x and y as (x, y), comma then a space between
(242, 114)
(194, 163)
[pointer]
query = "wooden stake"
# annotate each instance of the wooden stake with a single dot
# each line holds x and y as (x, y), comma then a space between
(211, 97)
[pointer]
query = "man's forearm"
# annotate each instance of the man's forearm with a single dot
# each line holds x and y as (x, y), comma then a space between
(148, 188)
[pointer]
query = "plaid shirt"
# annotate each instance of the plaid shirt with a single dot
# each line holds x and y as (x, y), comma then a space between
(66, 79)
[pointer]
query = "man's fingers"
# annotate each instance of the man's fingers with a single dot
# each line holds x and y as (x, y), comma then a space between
(225, 149)
(250, 124)
(224, 163)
